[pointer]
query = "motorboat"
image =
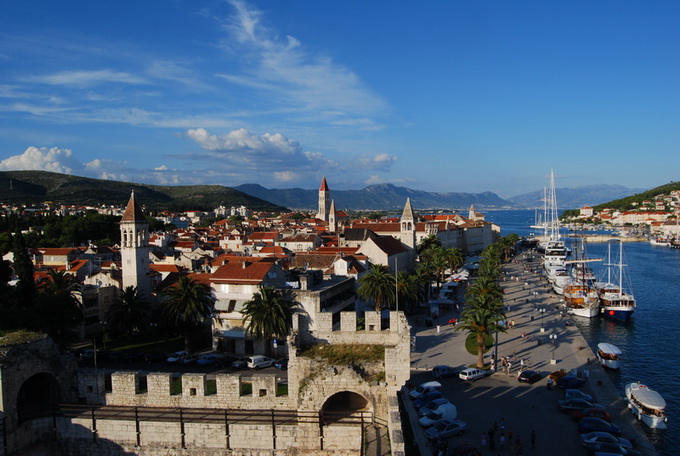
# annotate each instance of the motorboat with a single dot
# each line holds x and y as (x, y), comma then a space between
(647, 405)
(609, 355)
(581, 300)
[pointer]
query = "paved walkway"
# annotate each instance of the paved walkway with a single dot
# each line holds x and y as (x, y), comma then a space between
(536, 313)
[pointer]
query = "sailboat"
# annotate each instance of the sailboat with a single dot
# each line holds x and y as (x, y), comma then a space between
(555, 252)
(580, 296)
(616, 303)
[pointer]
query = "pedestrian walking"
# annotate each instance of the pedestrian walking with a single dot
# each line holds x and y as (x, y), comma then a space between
(502, 441)
(533, 440)
(501, 424)
(509, 436)
(484, 437)
(550, 383)
(438, 328)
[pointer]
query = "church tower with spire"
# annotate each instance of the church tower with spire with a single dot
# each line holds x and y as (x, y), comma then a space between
(408, 225)
(324, 201)
(332, 222)
(134, 238)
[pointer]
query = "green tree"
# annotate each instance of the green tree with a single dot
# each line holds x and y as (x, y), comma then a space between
(269, 313)
(187, 304)
(57, 310)
(130, 313)
(23, 268)
(481, 316)
(408, 290)
(377, 285)
(454, 258)
(430, 241)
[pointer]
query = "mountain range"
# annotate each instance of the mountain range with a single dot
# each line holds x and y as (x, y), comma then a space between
(391, 197)
(31, 187)
(40, 186)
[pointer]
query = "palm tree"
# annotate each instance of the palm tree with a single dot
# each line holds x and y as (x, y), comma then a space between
(430, 241)
(481, 317)
(57, 308)
(455, 259)
(377, 285)
(188, 302)
(408, 289)
(131, 312)
(485, 286)
(269, 313)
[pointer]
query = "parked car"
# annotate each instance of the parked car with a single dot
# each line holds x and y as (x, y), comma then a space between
(209, 359)
(597, 412)
(570, 382)
(444, 371)
(612, 449)
(471, 374)
(529, 376)
(568, 405)
(445, 429)
(259, 362)
(190, 359)
(240, 363)
(577, 394)
(597, 425)
(177, 356)
(425, 388)
(281, 364)
(426, 398)
(592, 439)
(443, 412)
(427, 408)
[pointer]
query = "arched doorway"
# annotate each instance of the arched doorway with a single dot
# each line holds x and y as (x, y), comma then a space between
(344, 404)
(37, 396)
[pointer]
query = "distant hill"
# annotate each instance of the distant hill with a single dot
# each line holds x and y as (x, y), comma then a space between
(377, 197)
(30, 187)
(626, 202)
(574, 198)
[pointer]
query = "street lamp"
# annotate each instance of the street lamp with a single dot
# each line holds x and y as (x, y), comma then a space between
(542, 311)
(103, 323)
(553, 338)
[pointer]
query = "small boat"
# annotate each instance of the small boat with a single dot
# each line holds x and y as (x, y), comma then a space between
(647, 405)
(616, 303)
(609, 355)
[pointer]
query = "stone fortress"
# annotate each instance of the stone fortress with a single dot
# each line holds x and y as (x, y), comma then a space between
(325, 410)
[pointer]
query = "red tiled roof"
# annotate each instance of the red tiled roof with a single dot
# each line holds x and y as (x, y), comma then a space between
(253, 273)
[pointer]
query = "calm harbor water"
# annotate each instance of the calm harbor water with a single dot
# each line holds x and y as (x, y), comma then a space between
(650, 339)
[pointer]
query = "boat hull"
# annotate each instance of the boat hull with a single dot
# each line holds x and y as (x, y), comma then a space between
(655, 419)
(622, 315)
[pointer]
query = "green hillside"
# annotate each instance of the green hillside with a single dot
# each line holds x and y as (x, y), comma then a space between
(31, 187)
(627, 202)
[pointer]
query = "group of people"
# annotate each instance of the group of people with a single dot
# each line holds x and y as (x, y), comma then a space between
(498, 438)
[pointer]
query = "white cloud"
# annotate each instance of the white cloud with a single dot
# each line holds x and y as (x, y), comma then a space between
(86, 78)
(373, 180)
(380, 161)
(286, 176)
(161, 168)
(284, 67)
(244, 146)
(41, 158)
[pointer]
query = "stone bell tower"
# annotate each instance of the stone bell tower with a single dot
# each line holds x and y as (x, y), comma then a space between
(134, 238)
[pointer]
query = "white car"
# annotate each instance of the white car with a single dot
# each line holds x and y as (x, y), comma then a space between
(471, 374)
(591, 440)
(177, 357)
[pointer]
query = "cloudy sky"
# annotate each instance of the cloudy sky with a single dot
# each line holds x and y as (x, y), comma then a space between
(462, 96)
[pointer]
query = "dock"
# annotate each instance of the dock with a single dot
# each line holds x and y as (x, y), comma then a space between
(525, 409)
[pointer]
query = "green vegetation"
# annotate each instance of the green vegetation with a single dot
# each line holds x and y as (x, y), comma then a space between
(20, 336)
(627, 202)
(471, 344)
(282, 389)
(246, 389)
(34, 187)
(210, 387)
(345, 354)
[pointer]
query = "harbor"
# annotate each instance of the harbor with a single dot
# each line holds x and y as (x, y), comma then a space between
(536, 315)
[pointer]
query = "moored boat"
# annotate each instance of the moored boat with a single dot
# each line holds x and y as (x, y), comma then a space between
(647, 405)
(609, 355)
(615, 302)
(581, 300)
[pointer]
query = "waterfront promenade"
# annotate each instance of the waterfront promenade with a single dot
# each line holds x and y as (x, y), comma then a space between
(525, 409)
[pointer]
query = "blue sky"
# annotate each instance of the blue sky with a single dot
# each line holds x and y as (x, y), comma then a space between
(459, 96)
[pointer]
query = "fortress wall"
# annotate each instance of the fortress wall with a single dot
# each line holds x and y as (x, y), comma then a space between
(164, 438)
(126, 390)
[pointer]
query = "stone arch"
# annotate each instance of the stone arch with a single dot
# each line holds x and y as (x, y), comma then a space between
(346, 402)
(37, 394)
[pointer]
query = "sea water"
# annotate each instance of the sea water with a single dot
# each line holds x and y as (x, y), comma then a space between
(649, 341)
